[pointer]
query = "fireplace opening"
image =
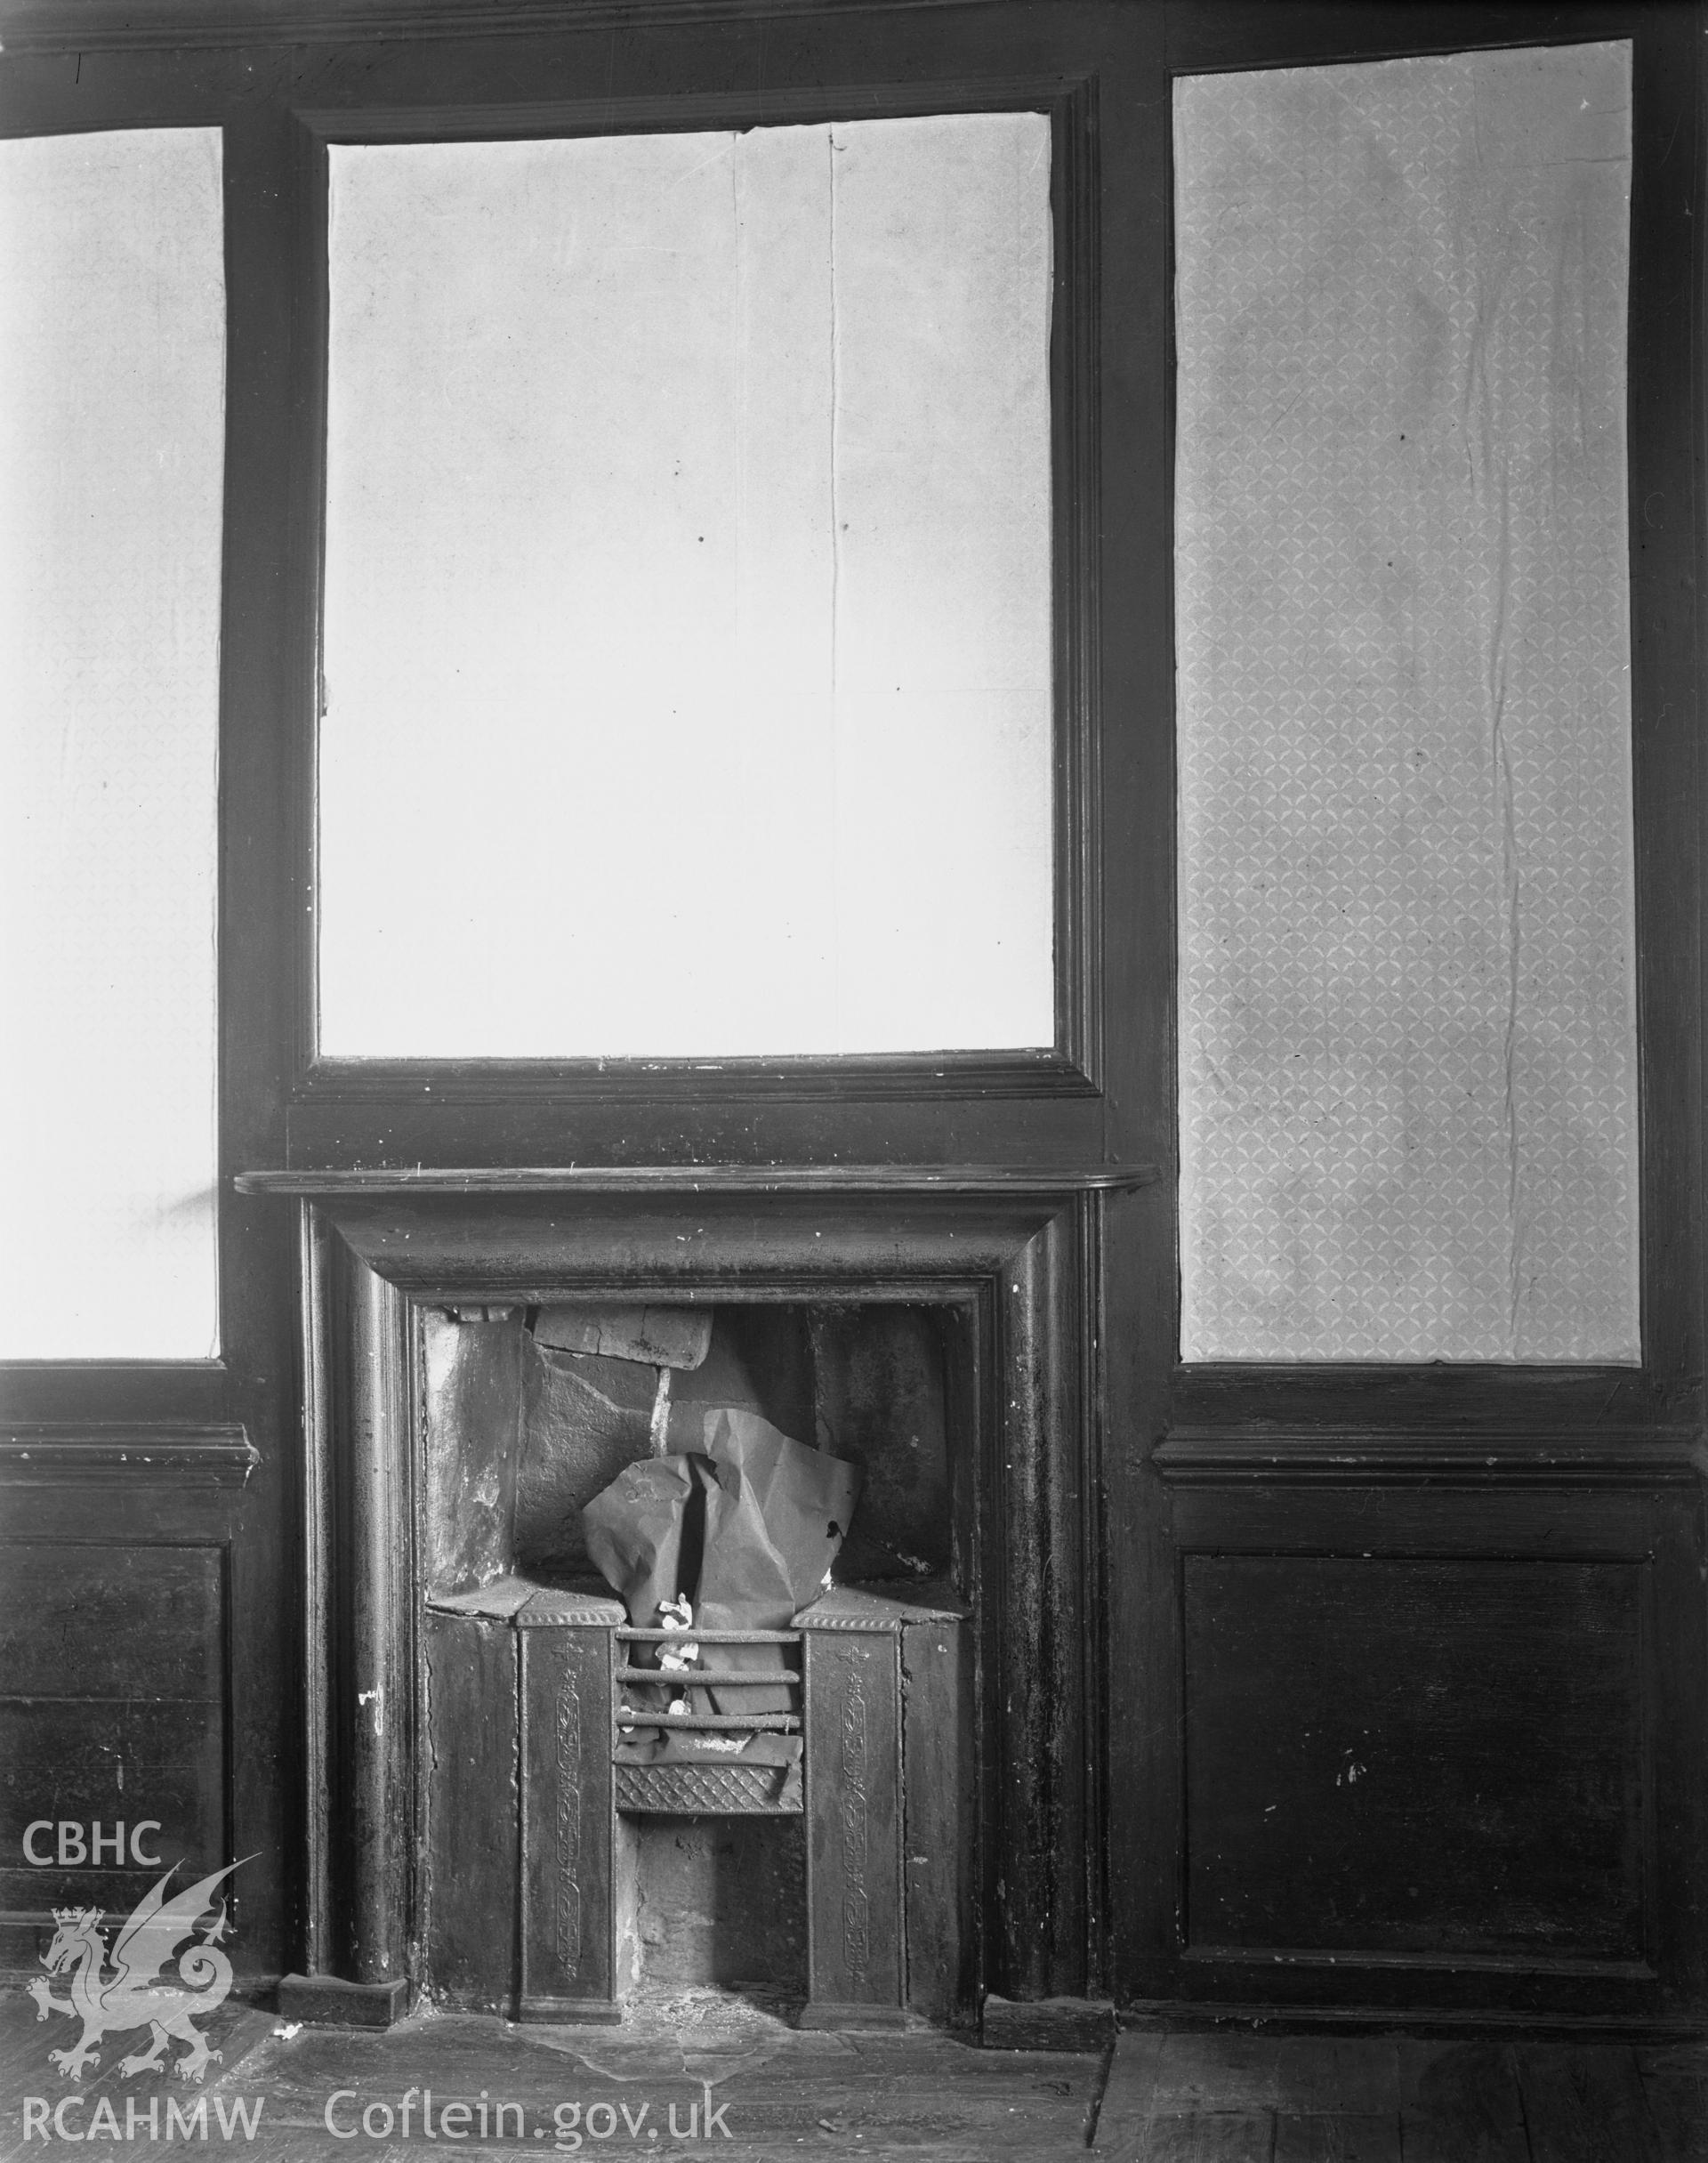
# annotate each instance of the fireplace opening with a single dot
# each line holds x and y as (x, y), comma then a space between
(719, 1903)
(541, 1870)
(867, 1384)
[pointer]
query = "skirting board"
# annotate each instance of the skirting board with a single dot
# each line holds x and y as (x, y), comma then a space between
(1047, 2023)
(1181, 2014)
(329, 2001)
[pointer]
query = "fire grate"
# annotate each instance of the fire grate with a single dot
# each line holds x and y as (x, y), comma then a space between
(680, 1789)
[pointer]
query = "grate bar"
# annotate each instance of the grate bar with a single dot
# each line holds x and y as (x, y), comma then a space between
(746, 1724)
(707, 1675)
(697, 1635)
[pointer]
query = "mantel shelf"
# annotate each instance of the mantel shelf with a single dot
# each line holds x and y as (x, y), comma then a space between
(706, 1179)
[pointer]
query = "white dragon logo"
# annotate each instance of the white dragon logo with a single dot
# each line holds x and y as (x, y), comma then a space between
(136, 1993)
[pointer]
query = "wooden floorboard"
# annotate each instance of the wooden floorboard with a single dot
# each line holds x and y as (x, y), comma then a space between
(1337, 2137)
(1679, 2112)
(921, 2096)
(1217, 2074)
(1210, 2136)
(1129, 2086)
(1686, 2061)
(1460, 2102)
(1340, 2076)
(1585, 2104)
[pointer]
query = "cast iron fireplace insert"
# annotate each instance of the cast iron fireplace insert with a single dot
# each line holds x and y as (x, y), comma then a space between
(558, 1875)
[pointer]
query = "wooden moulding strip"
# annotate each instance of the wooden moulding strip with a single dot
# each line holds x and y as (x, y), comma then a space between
(688, 1180)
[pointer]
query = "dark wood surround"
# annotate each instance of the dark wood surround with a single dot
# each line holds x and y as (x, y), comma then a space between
(1492, 1577)
(1012, 1259)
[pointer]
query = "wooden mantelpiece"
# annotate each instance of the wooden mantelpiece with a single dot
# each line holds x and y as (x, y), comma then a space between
(705, 1179)
(1010, 1255)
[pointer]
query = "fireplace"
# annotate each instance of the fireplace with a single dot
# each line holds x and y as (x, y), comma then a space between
(948, 1676)
(559, 1878)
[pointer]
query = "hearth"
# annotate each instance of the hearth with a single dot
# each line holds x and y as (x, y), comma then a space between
(468, 1832)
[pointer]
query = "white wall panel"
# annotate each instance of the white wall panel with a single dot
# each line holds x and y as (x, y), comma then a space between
(687, 626)
(112, 359)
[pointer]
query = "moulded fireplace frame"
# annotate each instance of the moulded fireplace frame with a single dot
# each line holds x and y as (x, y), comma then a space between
(1013, 1253)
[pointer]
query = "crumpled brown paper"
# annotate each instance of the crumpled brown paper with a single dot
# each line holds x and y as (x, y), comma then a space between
(776, 1513)
(633, 1531)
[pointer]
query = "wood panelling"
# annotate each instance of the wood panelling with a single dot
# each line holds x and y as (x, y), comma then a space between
(940, 1811)
(65, 1759)
(145, 1643)
(1414, 1757)
(33, 27)
(49, 1454)
(1503, 1645)
(1561, 1476)
(1081, 1568)
(113, 1660)
(111, 1622)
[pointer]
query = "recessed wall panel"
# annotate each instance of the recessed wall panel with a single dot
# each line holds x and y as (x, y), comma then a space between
(1408, 1759)
(1408, 1088)
(113, 1708)
(112, 367)
(687, 616)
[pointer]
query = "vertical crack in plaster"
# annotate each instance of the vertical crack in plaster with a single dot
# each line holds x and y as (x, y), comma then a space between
(1509, 869)
(1494, 471)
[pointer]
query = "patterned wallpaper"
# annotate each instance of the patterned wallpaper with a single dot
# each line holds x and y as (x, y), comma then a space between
(1407, 1044)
